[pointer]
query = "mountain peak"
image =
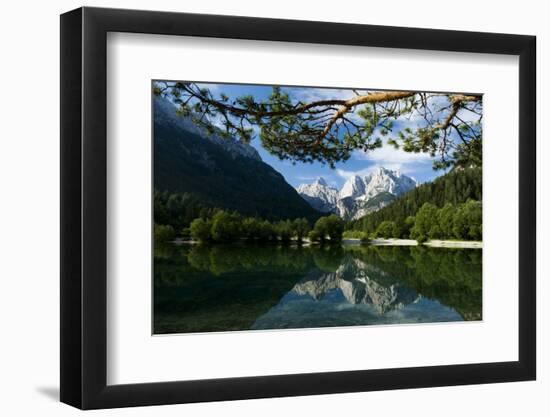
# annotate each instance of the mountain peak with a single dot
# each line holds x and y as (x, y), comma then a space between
(353, 200)
(387, 171)
(353, 187)
(319, 195)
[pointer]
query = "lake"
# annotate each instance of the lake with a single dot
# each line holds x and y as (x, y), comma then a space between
(251, 287)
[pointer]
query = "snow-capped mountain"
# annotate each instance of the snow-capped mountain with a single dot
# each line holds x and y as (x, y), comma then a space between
(359, 195)
(386, 180)
(354, 187)
(319, 195)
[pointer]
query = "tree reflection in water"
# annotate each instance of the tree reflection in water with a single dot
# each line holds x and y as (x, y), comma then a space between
(241, 287)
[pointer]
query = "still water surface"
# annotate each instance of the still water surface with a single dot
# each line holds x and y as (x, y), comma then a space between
(243, 287)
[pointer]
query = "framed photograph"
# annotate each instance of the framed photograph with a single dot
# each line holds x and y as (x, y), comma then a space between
(257, 208)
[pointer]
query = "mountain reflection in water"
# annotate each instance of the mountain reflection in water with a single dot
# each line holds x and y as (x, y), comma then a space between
(243, 287)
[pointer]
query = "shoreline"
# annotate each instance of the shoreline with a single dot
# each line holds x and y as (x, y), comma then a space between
(436, 243)
(455, 244)
(463, 244)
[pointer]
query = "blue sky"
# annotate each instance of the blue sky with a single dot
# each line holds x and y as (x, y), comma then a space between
(418, 166)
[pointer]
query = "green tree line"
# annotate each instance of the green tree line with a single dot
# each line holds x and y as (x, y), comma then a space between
(178, 210)
(455, 188)
(462, 221)
(223, 226)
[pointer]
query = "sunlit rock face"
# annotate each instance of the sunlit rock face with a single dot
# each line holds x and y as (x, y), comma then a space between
(386, 180)
(319, 195)
(359, 195)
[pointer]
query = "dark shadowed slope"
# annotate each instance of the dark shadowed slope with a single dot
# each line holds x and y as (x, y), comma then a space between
(222, 173)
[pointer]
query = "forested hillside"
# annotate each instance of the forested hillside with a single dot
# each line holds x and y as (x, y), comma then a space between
(195, 171)
(454, 188)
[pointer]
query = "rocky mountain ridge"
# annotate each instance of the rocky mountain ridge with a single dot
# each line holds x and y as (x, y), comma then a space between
(359, 195)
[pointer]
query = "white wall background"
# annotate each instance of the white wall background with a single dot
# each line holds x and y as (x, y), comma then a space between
(29, 212)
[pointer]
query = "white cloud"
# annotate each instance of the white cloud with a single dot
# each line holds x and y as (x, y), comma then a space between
(306, 178)
(468, 116)
(315, 94)
(389, 158)
(403, 168)
(389, 155)
(213, 87)
(345, 174)
(217, 120)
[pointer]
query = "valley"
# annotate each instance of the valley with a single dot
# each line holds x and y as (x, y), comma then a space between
(264, 219)
(217, 183)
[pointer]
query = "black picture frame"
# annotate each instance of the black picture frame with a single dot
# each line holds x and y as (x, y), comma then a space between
(84, 207)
